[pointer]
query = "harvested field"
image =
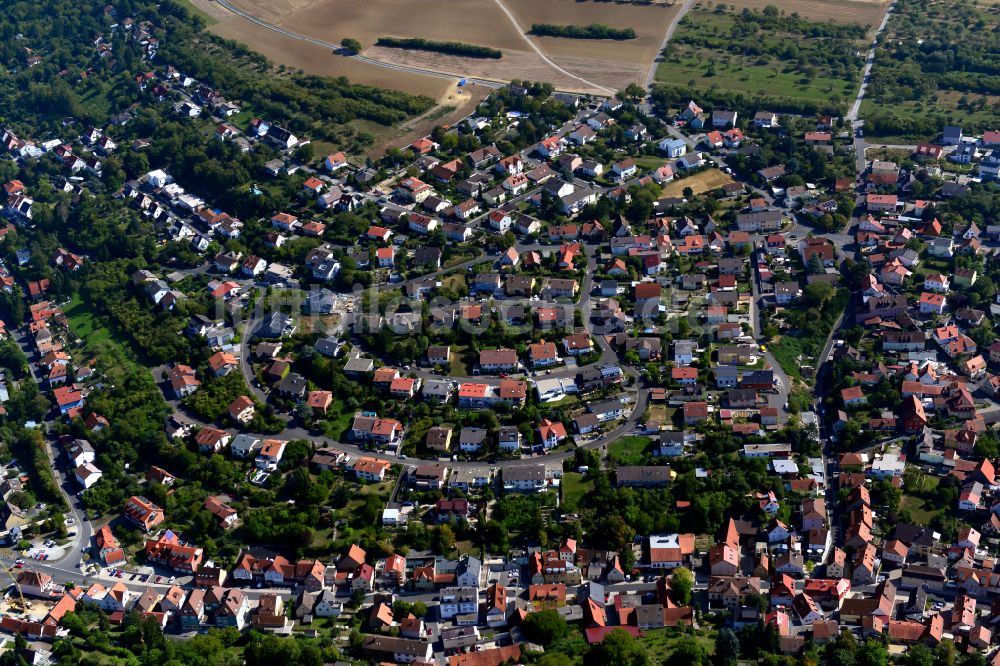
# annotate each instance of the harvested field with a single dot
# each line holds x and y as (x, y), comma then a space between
(514, 64)
(865, 12)
(614, 75)
(315, 59)
(649, 22)
(703, 181)
(478, 22)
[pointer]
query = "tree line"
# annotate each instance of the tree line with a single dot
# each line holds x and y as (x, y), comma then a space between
(592, 31)
(448, 48)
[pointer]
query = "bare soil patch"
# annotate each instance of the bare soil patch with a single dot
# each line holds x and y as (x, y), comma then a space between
(315, 59)
(461, 104)
(703, 181)
(863, 12)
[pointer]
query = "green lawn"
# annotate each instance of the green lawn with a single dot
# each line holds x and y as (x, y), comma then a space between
(337, 426)
(732, 52)
(920, 509)
(458, 258)
(759, 365)
(786, 351)
(96, 338)
(95, 101)
(454, 281)
(912, 96)
(919, 501)
(574, 487)
(775, 79)
(629, 450)
(660, 642)
(458, 366)
(649, 162)
(565, 401)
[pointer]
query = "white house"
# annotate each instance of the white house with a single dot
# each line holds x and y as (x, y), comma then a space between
(932, 303)
(672, 147)
(87, 475)
(936, 282)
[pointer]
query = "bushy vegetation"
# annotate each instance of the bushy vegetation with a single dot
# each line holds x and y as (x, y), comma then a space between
(449, 48)
(938, 64)
(810, 326)
(763, 59)
(141, 641)
(54, 88)
(592, 31)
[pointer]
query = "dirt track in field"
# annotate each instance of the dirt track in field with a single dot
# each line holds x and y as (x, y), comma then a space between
(608, 63)
(318, 60)
(514, 64)
(649, 22)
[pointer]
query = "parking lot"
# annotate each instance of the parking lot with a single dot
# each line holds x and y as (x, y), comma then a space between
(139, 576)
(45, 551)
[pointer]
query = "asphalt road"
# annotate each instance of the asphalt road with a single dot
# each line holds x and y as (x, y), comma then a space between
(852, 115)
(651, 72)
(60, 466)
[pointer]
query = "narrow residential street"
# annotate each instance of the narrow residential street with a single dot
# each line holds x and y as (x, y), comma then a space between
(852, 115)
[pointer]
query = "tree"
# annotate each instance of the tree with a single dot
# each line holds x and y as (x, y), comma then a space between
(444, 540)
(352, 45)
(987, 445)
(918, 655)
(945, 653)
(555, 659)
(618, 648)
(873, 653)
(305, 153)
(632, 92)
(544, 627)
(681, 584)
(727, 648)
(817, 294)
(687, 652)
